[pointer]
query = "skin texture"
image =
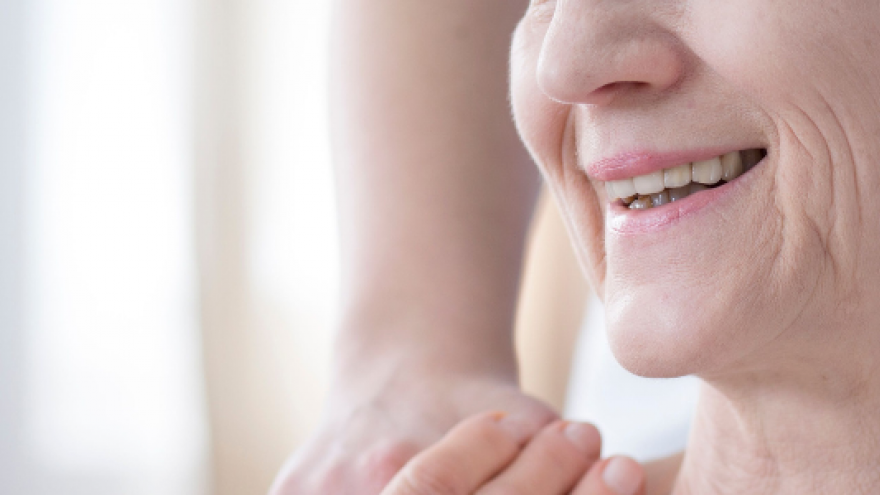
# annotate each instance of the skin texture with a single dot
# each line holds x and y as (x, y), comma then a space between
(768, 291)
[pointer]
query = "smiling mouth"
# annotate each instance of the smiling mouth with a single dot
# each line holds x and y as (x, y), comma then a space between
(673, 184)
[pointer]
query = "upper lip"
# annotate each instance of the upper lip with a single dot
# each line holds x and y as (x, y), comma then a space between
(630, 164)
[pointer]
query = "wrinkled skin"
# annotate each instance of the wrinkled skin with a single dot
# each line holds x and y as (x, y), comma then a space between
(718, 290)
(767, 291)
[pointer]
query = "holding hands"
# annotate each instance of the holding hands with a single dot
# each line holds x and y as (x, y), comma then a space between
(497, 454)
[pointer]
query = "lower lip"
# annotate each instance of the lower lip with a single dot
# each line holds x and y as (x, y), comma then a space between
(622, 220)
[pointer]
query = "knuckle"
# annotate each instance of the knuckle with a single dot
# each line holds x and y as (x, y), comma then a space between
(438, 478)
(559, 454)
(488, 433)
(379, 464)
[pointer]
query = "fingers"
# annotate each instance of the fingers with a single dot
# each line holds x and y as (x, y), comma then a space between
(471, 454)
(614, 476)
(552, 462)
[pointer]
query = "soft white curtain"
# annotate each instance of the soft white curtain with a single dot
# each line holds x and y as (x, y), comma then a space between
(103, 385)
(266, 229)
(12, 118)
(167, 263)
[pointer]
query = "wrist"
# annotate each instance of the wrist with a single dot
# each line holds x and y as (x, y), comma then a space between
(424, 349)
(365, 373)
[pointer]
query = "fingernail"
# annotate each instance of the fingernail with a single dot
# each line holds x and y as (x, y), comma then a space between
(623, 476)
(584, 437)
(515, 427)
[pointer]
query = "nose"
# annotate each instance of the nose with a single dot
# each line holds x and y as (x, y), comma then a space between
(598, 50)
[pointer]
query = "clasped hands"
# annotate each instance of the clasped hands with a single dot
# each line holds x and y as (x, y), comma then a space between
(395, 442)
(497, 454)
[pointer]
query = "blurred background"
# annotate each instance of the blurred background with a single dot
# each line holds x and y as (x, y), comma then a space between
(168, 267)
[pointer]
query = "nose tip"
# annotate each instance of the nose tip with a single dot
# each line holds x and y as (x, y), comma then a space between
(594, 63)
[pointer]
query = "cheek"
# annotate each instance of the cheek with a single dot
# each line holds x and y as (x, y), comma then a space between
(547, 129)
(540, 121)
(785, 50)
(759, 48)
(820, 84)
(730, 36)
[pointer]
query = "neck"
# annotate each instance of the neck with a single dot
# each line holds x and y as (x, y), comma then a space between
(811, 429)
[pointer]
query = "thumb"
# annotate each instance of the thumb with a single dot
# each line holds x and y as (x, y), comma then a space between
(614, 476)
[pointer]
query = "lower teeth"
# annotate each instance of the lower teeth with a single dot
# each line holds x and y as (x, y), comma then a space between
(644, 202)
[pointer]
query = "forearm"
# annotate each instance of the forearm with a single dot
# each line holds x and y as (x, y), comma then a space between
(435, 189)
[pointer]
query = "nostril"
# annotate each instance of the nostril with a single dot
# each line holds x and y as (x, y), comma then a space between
(622, 84)
(609, 87)
(605, 94)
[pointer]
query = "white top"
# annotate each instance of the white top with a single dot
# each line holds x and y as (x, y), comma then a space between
(645, 418)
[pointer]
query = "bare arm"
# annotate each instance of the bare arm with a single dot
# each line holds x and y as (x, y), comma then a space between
(435, 196)
(436, 190)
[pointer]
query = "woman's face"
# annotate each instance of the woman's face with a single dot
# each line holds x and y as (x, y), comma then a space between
(611, 90)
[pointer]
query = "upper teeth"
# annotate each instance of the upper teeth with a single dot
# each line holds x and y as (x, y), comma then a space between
(712, 171)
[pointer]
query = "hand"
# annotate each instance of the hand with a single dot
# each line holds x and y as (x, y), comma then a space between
(360, 448)
(493, 455)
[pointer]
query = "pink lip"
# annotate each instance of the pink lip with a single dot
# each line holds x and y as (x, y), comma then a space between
(630, 164)
(621, 220)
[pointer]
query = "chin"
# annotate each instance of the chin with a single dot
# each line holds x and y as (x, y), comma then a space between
(660, 333)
